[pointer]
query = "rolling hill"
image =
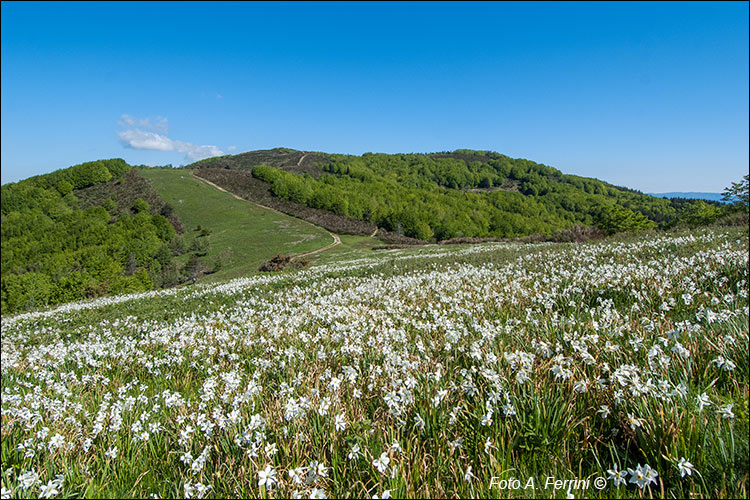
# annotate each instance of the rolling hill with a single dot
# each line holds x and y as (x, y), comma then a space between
(437, 196)
(104, 228)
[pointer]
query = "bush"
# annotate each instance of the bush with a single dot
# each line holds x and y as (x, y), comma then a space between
(217, 266)
(616, 219)
(194, 268)
(141, 205)
(200, 246)
(177, 246)
(701, 214)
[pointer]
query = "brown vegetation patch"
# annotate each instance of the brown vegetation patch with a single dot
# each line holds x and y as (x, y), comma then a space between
(280, 262)
(124, 191)
(298, 162)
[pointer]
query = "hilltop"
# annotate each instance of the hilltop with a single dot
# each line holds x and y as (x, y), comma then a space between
(439, 196)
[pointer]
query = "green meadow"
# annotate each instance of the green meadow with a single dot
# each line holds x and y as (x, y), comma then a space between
(242, 234)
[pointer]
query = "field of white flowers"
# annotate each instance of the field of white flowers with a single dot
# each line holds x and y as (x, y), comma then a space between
(409, 374)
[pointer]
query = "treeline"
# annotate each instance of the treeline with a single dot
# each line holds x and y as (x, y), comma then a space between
(473, 194)
(242, 183)
(57, 247)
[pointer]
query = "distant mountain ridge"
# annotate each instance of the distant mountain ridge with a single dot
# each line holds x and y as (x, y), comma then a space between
(690, 195)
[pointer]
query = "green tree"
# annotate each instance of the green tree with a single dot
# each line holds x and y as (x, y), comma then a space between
(200, 246)
(21, 292)
(192, 268)
(615, 219)
(701, 213)
(738, 194)
(64, 187)
(164, 229)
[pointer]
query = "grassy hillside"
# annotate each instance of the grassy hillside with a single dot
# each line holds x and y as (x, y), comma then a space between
(243, 184)
(242, 234)
(419, 373)
(440, 196)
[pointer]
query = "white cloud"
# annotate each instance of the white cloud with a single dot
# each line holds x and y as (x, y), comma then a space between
(141, 139)
(195, 152)
(126, 121)
(158, 123)
(136, 137)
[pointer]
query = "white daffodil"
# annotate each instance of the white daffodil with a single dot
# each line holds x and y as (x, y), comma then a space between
(381, 463)
(618, 477)
(642, 476)
(267, 477)
(686, 468)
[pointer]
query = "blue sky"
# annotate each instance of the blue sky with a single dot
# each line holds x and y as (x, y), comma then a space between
(647, 95)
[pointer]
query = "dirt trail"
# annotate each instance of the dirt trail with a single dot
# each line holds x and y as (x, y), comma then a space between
(336, 239)
(299, 163)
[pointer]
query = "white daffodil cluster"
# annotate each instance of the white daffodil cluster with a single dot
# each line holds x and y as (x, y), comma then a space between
(338, 379)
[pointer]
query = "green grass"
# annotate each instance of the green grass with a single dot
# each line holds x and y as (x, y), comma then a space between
(242, 233)
(439, 319)
(351, 247)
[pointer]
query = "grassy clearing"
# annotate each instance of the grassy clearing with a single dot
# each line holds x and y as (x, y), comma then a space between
(242, 234)
(416, 373)
(351, 247)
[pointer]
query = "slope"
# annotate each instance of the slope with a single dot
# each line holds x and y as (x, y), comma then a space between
(438, 360)
(437, 196)
(240, 234)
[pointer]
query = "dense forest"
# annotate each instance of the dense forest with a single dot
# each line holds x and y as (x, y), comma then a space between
(463, 193)
(83, 232)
